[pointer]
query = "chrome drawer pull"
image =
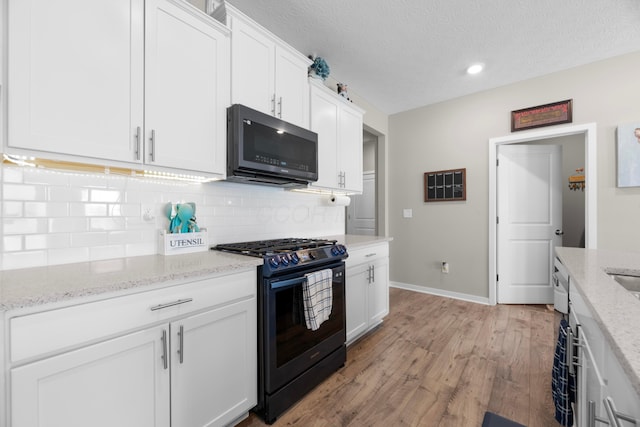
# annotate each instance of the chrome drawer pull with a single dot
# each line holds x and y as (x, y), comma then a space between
(615, 416)
(370, 255)
(181, 346)
(165, 359)
(171, 304)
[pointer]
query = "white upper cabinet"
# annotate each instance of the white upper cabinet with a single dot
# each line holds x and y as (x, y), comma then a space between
(338, 124)
(75, 76)
(186, 88)
(267, 74)
(119, 81)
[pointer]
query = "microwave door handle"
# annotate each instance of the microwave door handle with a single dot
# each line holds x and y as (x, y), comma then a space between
(287, 283)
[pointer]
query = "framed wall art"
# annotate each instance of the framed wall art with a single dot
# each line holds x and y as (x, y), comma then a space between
(628, 154)
(542, 115)
(446, 185)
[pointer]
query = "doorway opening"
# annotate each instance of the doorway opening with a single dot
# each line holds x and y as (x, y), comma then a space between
(362, 213)
(586, 133)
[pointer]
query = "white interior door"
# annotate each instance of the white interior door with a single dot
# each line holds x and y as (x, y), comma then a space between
(529, 221)
(361, 213)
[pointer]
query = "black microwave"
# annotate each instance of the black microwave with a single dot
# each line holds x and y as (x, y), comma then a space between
(262, 149)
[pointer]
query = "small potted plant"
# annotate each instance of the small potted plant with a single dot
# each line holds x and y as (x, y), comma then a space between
(319, 69)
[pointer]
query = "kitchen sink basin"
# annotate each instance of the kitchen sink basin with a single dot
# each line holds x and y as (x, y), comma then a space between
(630, 283)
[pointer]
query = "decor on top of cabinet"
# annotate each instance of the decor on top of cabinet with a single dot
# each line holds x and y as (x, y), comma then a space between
(446, 185)
(628, 144)
(576, 182)
(319, 69)
(342, 91)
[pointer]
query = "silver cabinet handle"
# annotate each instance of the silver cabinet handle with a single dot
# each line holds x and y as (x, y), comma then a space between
(280, 107)
(273, 105)
(569, 355)
(181, 344)
(165, 359)
(615, 416)
(152, 150)
(373, 273)
(138, 143)
(370, 255)
(171, 304)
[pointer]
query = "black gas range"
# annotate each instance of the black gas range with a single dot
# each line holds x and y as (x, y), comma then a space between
(292, 358)
(290, 254)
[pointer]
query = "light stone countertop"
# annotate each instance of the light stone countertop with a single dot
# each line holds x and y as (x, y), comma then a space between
(30, 287)
(615, 310)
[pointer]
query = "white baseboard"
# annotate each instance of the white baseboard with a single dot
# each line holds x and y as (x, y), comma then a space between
(440, 292)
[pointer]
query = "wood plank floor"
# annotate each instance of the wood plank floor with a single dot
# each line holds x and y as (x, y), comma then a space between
(437, 361)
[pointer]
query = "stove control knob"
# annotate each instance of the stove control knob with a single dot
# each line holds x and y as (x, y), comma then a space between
(284, 260)
(295, 258)
(335, 251)
(341, 249)
(273, 262)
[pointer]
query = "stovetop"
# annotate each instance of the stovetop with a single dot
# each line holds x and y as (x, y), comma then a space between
(289, 254)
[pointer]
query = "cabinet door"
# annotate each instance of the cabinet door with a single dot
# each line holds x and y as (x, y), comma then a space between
(379, 292)
(75, 77)
(252, 65)
(186, 92)
(356, 294)
(120, 382)
(591, 386)
(324, 121)
(291, 88)
(350, 149)
(214, 365)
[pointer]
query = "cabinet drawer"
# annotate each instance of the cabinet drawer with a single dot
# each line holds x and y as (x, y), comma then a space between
(47, 332)
(367, 254)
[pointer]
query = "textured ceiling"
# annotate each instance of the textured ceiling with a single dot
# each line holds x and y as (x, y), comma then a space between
(403, 54)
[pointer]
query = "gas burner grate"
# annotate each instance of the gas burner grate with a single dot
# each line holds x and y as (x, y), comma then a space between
(260, 248)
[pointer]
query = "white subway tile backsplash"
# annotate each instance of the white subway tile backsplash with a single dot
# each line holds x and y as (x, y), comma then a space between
(12, 243)
(23, 192)
(87, 209)
(12, 209)
(52, 218)
(46, 241)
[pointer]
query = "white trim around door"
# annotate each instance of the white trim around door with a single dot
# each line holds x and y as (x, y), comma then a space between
(591, 182)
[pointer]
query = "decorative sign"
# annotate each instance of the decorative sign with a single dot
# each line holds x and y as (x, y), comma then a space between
(542, 115)
(182, 243)
(444, 186)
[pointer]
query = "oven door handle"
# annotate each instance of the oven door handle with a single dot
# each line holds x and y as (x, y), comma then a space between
(287, 283)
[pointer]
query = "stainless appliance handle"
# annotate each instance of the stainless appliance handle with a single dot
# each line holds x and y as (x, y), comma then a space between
(287, 283)
(171, 304)
(165, 360)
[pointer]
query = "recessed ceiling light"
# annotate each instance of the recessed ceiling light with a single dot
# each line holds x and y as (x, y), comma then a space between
(475, 69)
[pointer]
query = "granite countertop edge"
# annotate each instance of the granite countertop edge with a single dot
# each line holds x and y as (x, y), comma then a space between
(30, 288)
(615, 310)
(60, 284)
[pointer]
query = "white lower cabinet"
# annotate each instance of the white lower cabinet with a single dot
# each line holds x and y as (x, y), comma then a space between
(120, 382)
(188, 358)
(604, 393)
(213, 366)
(367, 289)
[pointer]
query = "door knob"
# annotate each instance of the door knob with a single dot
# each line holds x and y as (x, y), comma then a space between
(559, 232)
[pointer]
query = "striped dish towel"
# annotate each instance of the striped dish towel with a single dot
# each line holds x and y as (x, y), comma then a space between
(317, 296)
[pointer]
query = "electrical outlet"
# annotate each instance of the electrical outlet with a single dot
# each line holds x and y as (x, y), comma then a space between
(445, 267)
(148, 213)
